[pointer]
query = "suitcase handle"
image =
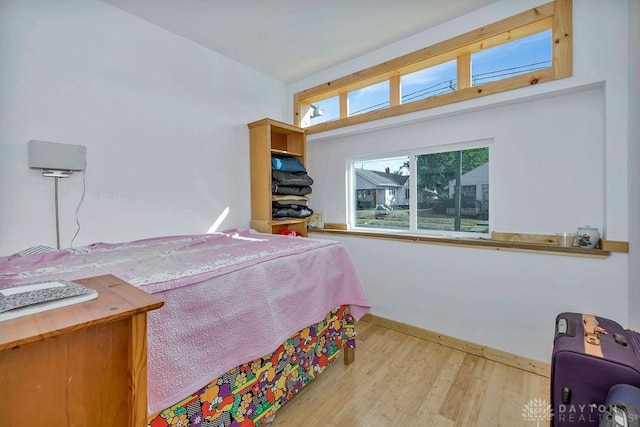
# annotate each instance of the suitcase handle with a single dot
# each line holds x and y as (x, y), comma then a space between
(592, 330)
(592, 339)
(564, 327)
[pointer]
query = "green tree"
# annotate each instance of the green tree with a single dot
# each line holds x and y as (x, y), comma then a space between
(434, 171)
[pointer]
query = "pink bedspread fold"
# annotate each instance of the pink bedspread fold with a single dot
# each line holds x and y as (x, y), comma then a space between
(230, 297)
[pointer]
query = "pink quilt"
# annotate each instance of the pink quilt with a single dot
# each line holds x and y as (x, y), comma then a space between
(230, 297)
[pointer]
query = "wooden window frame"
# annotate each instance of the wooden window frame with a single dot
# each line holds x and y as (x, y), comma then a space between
(556, 15)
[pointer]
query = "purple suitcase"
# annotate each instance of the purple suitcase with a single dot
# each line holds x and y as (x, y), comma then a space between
(623, 401)
(586, 363)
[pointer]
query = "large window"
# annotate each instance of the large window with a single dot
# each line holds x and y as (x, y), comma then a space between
(530, 48)
(441, 191)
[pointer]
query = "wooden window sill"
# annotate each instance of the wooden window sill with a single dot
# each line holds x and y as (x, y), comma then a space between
(499, 245)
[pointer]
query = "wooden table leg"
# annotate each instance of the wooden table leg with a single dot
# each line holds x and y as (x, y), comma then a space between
(349, 355)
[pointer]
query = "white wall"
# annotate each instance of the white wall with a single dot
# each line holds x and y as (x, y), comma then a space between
(486, 296)
(545, 160)
(559, 161)
(163, 119)
(634, 164)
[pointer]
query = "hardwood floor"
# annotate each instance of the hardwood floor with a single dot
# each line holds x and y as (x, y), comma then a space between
(399, 380)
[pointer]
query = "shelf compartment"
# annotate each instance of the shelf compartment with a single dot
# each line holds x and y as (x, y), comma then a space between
(285, 153)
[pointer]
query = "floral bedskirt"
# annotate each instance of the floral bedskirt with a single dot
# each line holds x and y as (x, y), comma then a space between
(250, 394)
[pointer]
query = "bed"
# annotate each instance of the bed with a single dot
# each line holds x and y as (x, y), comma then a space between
(249, 318)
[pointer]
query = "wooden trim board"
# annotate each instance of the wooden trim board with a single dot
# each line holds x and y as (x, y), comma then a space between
(335, 226)
(614, 246)
(489, 353)
(498, 245)
(604, 244)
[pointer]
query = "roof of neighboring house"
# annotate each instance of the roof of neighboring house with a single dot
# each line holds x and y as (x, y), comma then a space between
(380, 179)
(399, 179)
(479, 175)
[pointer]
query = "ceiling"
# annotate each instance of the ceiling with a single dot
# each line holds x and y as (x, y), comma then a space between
(292, 39)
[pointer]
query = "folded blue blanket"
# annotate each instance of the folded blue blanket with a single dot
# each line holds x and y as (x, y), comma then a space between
(287, 164)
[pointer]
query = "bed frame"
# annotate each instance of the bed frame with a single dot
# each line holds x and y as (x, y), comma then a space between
(251, 394)
(275, 285)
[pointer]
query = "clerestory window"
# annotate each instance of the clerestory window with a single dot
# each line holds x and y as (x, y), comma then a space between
(530, 48)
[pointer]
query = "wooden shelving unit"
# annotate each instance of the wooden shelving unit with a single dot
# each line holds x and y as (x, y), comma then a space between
(268, 138)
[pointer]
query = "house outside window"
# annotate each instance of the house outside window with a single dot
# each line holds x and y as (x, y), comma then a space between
(429, 203)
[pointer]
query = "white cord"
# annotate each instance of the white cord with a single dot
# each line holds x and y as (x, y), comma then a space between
(57, 215)
(84, 187)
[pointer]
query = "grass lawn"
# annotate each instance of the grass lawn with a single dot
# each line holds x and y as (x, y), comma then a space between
(427, 220)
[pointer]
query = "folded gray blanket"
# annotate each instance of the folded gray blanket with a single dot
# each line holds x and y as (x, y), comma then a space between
(287, 203)
(287, 189)
(291, 179)
(290, 212)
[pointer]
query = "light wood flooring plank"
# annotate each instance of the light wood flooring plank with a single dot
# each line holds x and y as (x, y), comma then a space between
(400, 380)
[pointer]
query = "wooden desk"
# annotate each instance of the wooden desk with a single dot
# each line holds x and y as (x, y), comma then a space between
(84, 365)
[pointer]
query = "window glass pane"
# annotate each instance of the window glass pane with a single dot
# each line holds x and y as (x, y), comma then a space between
(369, 98)
(511, 59)
(437, 175)
(381, 193)
(432, 81)
(325, 110)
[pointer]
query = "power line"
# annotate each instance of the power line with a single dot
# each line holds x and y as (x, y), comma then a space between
(450, 85)
(520, 67)
(510, 71)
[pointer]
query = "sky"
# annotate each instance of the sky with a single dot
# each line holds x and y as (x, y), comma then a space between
(509, 59)
(393, 163)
